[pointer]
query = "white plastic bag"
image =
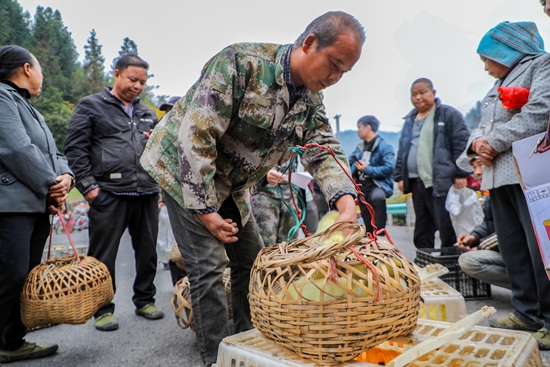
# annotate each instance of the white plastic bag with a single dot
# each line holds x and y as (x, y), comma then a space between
(465, 210)
(165, 238)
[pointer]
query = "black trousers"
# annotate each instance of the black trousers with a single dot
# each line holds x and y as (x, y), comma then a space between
(110, 215)
(22, 240)
(520, 251)
(376, 197)
(431, 216)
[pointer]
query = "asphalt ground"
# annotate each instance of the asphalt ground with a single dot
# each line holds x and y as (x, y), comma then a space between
(141, 342)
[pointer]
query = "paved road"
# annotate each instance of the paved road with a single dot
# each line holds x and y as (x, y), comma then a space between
(140, 342)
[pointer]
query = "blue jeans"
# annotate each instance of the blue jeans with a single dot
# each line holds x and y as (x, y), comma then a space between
(485, 265)
(205, 261)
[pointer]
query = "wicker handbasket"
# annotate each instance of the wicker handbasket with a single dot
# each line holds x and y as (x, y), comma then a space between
(333, 321)
(65, 290)
(181, 300)
(175, 256)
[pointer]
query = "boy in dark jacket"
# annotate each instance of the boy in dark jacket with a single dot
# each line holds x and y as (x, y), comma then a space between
(433, 137)
(372, 164)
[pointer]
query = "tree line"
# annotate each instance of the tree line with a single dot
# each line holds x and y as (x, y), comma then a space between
(66, 80)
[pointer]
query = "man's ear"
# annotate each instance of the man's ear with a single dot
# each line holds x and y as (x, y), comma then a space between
(435, 92)
(310, 43)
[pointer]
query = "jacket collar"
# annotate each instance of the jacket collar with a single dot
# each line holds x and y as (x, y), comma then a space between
(414, 111)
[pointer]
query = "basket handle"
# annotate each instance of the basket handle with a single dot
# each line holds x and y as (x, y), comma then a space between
(68, 236)
(315, 249)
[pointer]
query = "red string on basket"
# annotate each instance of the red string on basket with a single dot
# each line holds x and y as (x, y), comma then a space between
(70, 239)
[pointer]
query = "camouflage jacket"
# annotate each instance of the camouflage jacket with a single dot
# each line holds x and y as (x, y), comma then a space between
(233, 126)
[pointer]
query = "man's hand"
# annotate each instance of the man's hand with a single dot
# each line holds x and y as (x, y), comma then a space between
(347, 209)
(465, 240)
(147, 134)
(360, 166)
(273, 177)
(223, 229)
(482, 147)
(60, 191)
(60, 209)
(400, 185)
(461, 183)
(161, 204)
(91, 195)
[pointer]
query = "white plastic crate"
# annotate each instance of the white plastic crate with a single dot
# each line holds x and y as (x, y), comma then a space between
(441, 302)
(480, 347)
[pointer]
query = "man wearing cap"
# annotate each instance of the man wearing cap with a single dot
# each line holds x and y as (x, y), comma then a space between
(106, 136)
(175, 272)
(251, 103)
(372, 164)
(167, 106)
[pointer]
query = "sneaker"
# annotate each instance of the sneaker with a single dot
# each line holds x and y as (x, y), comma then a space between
(27, 351)
(106, 322)
(511, 322)
(543, 338)
(150, 312)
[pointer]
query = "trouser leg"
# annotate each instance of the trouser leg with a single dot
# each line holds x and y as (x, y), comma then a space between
(22, 240)
(518, 246)
(143, 227)
(107, 224)
(267, 212)
(424, 227)
(205, 259)
(485, 265)
(443, 222)
(376, 197)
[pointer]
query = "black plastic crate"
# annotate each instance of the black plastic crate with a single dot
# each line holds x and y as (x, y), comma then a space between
(469, 287)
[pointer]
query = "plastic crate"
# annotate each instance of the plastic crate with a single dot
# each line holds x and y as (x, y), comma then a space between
(469, 287)
(480, 347)
(441, 302)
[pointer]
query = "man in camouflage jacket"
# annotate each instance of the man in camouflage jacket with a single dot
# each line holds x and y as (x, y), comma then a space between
(251, 103)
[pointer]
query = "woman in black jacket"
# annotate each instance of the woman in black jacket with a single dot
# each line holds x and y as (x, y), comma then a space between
(34, 182)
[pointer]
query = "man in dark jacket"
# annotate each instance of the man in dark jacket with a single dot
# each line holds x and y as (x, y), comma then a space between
(433, 137)
(106, 137)
(372, 164)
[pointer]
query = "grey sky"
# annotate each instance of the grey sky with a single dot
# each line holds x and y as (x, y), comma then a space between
(406, 39)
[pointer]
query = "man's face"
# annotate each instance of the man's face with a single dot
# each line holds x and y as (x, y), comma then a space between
(362, 131)
(325, 67)
(546, 7)
(422, 96)
(495, 69)
(478, 170)
(129, 83)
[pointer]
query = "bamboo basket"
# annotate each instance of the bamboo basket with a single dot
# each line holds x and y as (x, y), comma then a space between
(373, 297)
(181, 300)
(65, 290)
(175, 256)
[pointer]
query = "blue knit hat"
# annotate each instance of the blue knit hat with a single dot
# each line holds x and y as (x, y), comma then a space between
(508, 42)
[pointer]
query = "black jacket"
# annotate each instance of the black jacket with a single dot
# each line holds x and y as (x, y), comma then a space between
(487, 228)
(104, 144)
(450, 137)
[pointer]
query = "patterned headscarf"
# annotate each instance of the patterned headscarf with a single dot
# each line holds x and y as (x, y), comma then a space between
(508, 42)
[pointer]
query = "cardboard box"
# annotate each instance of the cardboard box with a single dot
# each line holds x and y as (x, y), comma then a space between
(534, 176)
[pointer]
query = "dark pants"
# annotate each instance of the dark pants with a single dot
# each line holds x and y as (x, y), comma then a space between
(175, 272)
(518, 245)
(205, 260)
(110, 215)
(376, 197)
(431, 216)
(22, 239)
